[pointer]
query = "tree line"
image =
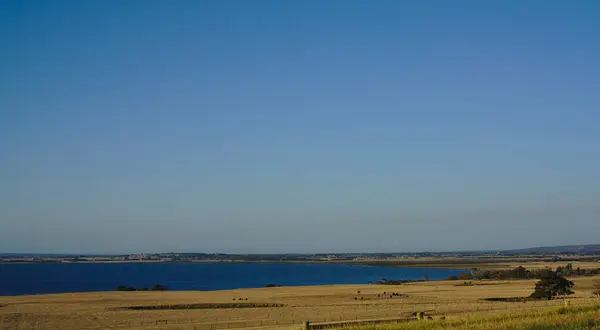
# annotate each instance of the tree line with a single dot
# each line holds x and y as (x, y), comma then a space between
(551, 284)
(523, 273)
(156, 287)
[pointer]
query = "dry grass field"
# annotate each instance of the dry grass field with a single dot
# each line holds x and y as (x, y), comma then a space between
(317, 303)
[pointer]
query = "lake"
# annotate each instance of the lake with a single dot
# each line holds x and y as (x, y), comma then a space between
(20, 279)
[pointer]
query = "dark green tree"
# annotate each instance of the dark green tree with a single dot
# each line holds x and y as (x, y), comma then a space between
(520, 272)
(552, 284)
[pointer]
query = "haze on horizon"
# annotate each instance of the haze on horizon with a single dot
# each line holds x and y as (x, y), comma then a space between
(298, 126)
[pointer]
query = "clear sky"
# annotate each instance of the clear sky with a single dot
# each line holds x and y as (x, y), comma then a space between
(298, 126)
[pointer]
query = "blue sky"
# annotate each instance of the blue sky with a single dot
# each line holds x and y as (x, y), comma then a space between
(298, 126)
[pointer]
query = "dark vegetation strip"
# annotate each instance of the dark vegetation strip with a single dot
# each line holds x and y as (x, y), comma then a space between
(465, 261)
(203, 306)
(523, 273)
(511, 299)
(396, 282)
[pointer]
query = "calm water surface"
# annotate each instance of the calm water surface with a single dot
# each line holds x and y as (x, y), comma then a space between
(19, 279)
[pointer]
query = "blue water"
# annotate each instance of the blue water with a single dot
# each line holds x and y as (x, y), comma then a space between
(20, 279)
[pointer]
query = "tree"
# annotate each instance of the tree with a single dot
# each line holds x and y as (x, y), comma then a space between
(520, 272)
(480, 274)
(552, 284)
(159, 287)
(568, 270)
(125, 288)
(596, 286)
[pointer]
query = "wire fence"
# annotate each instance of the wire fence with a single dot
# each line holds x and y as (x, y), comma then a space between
(325, 314)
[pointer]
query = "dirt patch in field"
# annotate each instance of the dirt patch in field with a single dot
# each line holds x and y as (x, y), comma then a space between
(510, 299)
(202, 306)
(475, 284)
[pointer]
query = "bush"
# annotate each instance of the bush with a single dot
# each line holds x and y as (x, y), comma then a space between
(125, 288)
(143, 289)
(159, 287)
(453, 278)
(270, 285)
(465, 276)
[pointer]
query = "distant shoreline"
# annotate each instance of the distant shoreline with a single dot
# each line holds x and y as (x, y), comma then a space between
(370, 263)
(441, 263)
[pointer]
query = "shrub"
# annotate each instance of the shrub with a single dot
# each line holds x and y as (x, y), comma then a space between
(125, 288)
(453, 278)
(270, 285)
(465, 276)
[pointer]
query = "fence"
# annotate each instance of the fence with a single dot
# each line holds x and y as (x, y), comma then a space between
(326, 314)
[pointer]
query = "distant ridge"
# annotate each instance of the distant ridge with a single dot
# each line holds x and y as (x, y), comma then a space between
(582, 248)
(560, 249)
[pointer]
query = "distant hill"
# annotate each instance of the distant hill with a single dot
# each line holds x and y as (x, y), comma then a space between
(565, 249)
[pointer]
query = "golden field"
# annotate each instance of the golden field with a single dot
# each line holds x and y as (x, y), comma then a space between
(315, 303)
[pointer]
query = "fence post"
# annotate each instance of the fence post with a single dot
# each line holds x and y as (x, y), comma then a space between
(306, 325)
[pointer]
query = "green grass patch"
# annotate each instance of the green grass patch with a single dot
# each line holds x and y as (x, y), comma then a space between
(587, 317)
